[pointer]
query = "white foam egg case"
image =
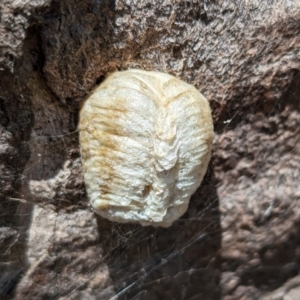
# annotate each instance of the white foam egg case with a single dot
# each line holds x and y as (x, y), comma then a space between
(145, 140)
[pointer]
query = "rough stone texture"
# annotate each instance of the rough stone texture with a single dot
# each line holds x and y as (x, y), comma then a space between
(62, 257)
(240, 236)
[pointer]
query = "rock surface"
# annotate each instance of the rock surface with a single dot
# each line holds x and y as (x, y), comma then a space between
(240, 236)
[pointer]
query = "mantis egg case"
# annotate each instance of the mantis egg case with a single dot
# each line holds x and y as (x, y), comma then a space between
(145, 141)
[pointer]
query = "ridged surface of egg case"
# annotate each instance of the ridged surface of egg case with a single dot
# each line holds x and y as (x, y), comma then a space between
(145, 141)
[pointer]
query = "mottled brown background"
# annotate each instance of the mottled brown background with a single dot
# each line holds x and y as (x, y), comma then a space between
(240, 237)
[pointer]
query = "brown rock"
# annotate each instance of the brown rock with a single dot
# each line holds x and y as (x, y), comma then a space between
(244, 220)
